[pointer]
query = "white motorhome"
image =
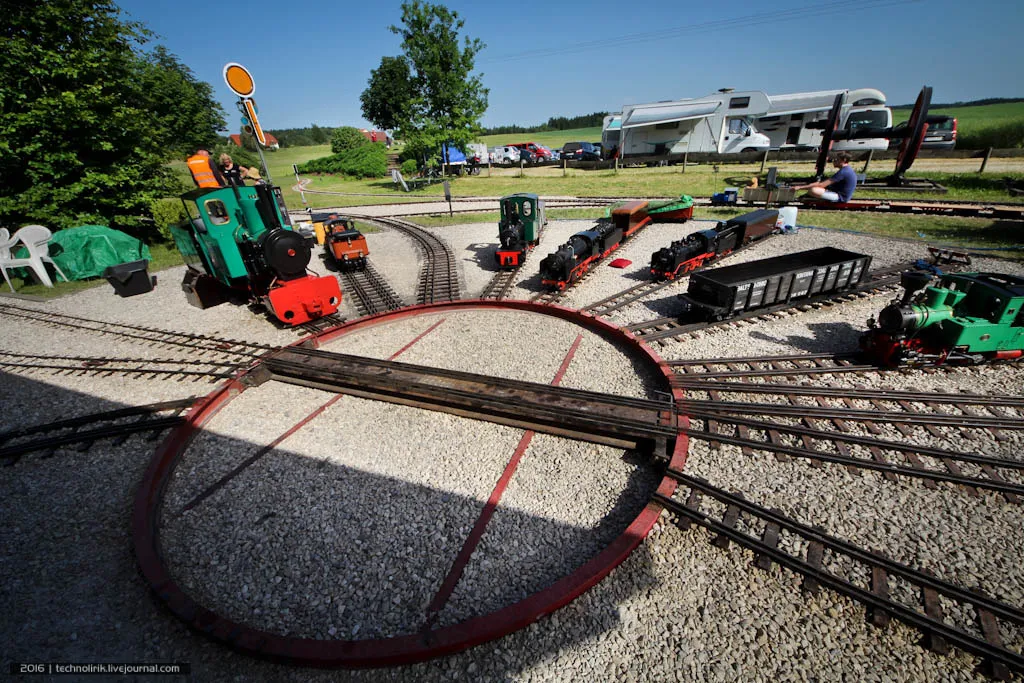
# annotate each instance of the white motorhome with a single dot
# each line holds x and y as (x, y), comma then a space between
(719, 123)
(786, 121)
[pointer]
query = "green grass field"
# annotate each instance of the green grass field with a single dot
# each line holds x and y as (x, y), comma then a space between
(553, 139)
(970, 119)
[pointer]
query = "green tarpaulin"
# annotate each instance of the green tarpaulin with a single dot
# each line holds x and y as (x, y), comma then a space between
(88, 250)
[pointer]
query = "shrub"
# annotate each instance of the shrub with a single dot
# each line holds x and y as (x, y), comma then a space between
(367, 161)
(347, 138)
(1004, 136)
(409, 167)
(167, 212)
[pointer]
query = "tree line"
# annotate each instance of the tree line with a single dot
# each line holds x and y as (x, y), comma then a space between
(553, 123)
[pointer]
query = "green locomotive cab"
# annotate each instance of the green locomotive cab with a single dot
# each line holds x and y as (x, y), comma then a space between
(526, 208)
(965, 317)
(239, 241)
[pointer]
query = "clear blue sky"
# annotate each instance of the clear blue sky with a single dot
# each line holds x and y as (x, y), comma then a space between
(312, 59)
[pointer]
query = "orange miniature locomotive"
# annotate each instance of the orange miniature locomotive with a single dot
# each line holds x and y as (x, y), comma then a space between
(345, 245)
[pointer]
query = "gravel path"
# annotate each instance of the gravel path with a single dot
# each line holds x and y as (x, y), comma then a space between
(676, 609)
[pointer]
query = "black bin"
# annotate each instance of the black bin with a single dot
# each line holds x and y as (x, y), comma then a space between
(130, 278)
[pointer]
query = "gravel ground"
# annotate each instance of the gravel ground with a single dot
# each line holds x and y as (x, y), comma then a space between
(676, 609)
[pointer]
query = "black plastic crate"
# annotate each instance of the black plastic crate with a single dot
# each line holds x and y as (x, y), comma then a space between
(130, 279)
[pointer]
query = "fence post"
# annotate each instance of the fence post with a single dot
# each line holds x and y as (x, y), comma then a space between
(616, 165)
(764, 160)
(685, 155)
(867, 163)
(521, 164)
(488, 167)
(563, 166)
(984, 162)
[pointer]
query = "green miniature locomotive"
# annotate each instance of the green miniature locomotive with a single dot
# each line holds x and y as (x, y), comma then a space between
(965, 318)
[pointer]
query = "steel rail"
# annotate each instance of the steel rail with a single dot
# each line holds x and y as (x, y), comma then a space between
(994, 653)
(691, 382)
(845, 437)
(850, 414)
(997, 485)
(168, 337)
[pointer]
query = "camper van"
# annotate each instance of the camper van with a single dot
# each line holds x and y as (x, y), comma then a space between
(785, 124)
(720, 123)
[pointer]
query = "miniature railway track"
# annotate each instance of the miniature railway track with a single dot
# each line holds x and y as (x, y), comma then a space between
(439, 278)
(499, 285)
(848, 425)
(142, 368)
(876, 581)
(146, 335)
(627, 296)
(370, 291)
(118, 425)
(591, 416)
(203, 356)
(662, 329)
(320, 325)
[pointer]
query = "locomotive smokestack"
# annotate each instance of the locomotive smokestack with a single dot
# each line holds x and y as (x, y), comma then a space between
(912, 282)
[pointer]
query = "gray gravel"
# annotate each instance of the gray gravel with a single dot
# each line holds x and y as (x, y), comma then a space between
(678, 608)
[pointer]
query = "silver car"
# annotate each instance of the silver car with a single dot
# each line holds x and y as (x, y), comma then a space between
(504, 155)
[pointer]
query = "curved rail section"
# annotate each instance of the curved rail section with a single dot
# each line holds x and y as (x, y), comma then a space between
(430, 642)
(439, 278)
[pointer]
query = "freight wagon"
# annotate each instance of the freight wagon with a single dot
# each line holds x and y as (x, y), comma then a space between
(724, 292)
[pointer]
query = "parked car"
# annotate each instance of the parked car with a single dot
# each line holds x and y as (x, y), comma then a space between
(538, 151)
(938, 135)
(600, 148)
(580, 151)
(505, 154)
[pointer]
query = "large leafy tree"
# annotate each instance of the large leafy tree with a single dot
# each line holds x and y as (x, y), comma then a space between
(446, 100)
(82, 137)
(386, 100)
(185, 116)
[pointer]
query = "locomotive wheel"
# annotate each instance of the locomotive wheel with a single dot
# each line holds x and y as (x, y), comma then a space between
(831, 125)
(910, 146)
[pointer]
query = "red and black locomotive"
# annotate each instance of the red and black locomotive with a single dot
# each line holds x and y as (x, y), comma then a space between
(700, 248)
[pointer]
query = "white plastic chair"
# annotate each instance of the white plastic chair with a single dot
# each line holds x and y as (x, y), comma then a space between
(36, 239)
(6, 242)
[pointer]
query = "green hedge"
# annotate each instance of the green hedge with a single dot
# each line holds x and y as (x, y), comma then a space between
(1005, 136)
(167, 212)
(368, 161)
(409, 167)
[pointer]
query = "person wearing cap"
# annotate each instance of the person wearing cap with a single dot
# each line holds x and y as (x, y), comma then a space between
(233, 173)
(838, 188)
(204, 172)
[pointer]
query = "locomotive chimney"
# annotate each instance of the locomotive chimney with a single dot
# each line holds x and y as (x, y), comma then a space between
(912, 282)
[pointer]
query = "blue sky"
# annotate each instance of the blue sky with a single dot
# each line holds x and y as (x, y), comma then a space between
(311, 60)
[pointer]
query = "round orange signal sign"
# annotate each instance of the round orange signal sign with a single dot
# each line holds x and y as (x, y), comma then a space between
(239, 79)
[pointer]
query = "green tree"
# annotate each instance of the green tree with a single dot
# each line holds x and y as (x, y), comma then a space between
(386, 100)
(185, 116)
(76, 123)
(347, 138)
(446, 99)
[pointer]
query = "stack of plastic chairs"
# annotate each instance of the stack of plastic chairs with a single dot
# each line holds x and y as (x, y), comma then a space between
(36, 239)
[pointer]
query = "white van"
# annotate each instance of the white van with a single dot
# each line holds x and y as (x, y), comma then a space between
(504, 154)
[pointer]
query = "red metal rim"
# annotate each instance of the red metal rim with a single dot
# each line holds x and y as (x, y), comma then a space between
(409, 648)
(916, 125)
